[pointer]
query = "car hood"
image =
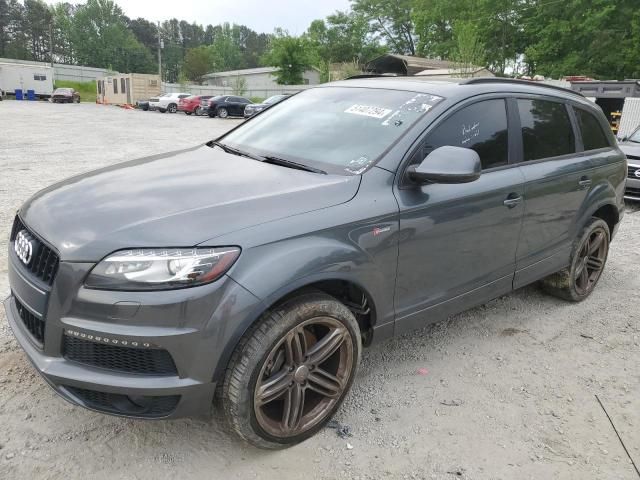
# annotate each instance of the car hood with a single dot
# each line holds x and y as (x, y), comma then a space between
(631, 149)
(178, 199)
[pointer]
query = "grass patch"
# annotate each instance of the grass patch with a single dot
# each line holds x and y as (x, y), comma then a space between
(257, 99)
(87, 90)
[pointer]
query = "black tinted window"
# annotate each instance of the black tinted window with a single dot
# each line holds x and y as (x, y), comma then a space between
(546, 129)
(593, 136)
(481, 127)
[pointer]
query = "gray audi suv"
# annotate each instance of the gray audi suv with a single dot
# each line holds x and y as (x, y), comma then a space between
(248, 273)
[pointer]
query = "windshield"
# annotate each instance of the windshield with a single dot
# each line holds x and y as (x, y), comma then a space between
(635, 136)
(336, 129)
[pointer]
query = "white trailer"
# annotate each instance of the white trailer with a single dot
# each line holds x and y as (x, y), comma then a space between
(18, 76)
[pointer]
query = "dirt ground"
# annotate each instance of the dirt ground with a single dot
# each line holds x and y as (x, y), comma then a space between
(506, 390)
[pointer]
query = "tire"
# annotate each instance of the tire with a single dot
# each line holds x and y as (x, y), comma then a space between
(145, 109)
(310, 317)
(78, 100)
(211, 114)
(588, 259)
(222, 112)
(188, 113)
(172, 108)
(162, 110)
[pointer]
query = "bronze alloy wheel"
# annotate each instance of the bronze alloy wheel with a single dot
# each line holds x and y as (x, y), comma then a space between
(303, 377)
(590, 260)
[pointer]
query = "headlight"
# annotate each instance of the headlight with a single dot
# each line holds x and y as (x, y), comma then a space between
(161, 269)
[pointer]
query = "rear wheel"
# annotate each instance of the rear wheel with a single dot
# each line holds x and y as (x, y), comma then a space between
(188, 113)
(223, 113)
(172, 108)
(291, 371)
(588, 258)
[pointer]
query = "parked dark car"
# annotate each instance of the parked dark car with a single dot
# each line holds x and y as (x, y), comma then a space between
(631, 147)
(65, 95)
(143, 105)
(193, 104)
(227, 106)
(258, 265)
(252, 109)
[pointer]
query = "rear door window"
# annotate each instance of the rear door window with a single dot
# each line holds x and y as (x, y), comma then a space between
(546, 129)
(482, 127)
(593, 137)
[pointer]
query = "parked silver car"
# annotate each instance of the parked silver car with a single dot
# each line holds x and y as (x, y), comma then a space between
(631, 147)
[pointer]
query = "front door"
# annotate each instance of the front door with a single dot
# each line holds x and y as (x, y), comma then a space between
(458, 242)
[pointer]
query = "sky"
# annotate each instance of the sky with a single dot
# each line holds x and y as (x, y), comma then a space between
(260, 15)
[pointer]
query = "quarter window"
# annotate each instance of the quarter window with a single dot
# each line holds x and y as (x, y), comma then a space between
(593, 137)
(482, 127)
(546, 129)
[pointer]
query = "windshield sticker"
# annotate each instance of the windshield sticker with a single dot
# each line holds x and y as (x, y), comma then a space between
(368, 111)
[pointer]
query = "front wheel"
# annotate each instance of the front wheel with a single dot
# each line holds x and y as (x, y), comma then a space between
(223, 113)
(588, 258)
(291, 371)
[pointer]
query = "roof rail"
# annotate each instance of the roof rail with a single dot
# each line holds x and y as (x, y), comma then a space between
(517, 81)
(370, 75)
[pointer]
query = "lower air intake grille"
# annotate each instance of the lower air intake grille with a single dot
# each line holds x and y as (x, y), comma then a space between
(143, 361)
(133, 405)
(34, 324)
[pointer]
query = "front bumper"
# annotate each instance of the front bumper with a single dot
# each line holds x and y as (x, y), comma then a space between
(193, 325)
(632, 188)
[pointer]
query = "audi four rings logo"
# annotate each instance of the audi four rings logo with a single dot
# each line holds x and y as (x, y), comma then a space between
(637, 174)
(23, 247)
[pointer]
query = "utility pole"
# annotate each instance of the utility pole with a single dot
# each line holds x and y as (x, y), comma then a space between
(160, 46)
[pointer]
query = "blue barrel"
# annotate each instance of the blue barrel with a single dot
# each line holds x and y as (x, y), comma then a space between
(18, 94)
(31, 95)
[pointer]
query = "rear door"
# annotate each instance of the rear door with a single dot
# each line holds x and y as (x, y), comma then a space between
(557, 180)
(458, 242)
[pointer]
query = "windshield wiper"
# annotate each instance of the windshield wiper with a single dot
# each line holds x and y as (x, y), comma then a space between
(235, 151)
(288, 163)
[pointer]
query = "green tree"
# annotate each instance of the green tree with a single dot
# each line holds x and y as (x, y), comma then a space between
(291, 55)
(101, 38)
(226, 52)
(599, 38)
(469, 53)
(198, 62)
(392, 20)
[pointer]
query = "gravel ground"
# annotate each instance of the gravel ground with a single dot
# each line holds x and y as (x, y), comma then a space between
(506, 390)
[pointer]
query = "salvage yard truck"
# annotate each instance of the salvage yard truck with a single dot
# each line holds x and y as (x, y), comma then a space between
(17, 79)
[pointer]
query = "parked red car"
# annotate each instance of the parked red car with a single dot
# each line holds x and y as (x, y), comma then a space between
(192, 104)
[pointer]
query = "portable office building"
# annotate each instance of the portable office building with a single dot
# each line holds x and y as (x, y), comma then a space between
(127, 88)
(20, 77)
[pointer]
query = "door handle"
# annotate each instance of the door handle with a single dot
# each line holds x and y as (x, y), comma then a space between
(513, 200)
(584, 182)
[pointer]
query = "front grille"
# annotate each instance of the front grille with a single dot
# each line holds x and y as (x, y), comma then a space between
(143, 361)
(632, 171)
(34, 324)
(44, 261)
(138, 405)
(632, 191)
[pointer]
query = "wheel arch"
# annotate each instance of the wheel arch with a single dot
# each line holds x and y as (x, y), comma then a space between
(343, 287)
(601, 203)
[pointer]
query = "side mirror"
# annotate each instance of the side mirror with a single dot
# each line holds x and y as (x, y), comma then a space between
(624, 139)
(447, 165)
